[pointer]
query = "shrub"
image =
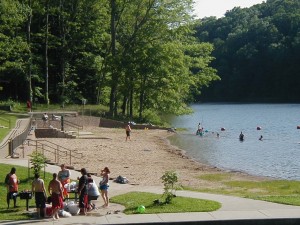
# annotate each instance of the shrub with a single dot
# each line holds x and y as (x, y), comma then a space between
(38, 161)
(169, 179)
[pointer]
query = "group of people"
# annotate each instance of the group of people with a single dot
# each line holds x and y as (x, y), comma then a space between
(57, 188)
(242, 137)
(199, 130)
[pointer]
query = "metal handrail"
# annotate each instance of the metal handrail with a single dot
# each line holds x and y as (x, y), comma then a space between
(15, 138)
(57, 150)
(71, 124)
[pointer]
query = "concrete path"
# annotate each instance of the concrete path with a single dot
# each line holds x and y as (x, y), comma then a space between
(233, 208)
(21, 126)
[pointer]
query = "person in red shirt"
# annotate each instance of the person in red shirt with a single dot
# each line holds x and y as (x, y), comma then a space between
(12, 184)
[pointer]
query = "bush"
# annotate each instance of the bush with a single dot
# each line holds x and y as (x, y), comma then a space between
(38, 161)
(169, 179)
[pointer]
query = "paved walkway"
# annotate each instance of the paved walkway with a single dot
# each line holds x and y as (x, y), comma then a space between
(21, 126)
(233, 208)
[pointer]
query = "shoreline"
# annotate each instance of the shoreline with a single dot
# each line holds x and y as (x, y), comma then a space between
(143, 159)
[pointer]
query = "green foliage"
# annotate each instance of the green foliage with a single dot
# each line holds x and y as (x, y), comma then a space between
(169, 180)
(132, 200)
(255, 52)
(38, 161)
(156, 64)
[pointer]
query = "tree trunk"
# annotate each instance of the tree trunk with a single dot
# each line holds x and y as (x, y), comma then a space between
(131, 97)
(142, 97)
(62, 50)
(30, 56)
(114, 81)
(46, 55)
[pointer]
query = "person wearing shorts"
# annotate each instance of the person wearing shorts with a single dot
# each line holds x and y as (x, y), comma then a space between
(83, 191)
(39, 190)
(104, 185)
(128, 131)
(12, 184)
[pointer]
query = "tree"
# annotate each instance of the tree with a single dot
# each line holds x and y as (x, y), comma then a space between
(255, 57)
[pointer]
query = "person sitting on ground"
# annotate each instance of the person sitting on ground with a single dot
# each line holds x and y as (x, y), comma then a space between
(64, 178)
(54, 117)
(39, 191)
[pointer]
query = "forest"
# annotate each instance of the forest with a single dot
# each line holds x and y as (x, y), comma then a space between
(256, 51)
(141, 57)
(134, 56)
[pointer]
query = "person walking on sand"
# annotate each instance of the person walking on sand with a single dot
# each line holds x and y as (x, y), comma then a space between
(56, 191)
(128, 131)
(12, 183)
(38, 188)
(104, 185)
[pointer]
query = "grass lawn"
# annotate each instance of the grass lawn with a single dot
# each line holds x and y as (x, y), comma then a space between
(18, 213)
(132, 200)
(26, 178)
(279, 191)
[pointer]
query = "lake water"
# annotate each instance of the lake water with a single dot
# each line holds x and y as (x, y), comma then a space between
(277, 155)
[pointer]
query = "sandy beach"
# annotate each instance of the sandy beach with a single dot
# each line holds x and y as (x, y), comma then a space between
(142, 160)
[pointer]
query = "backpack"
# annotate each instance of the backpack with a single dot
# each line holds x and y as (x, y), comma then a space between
(121, 180)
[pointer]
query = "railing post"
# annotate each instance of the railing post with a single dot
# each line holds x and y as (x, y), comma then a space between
(10, 147)
(55, 155)
(70, 158)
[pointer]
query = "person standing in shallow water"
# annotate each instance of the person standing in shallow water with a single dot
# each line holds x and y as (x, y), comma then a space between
(128, 131)
(241, 137)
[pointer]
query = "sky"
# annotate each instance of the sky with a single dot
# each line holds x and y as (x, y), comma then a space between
(206, 8)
